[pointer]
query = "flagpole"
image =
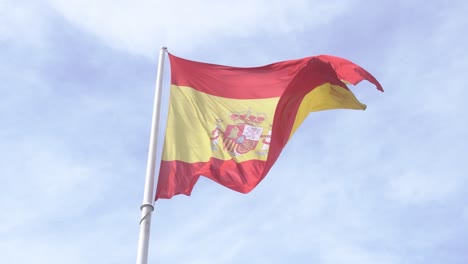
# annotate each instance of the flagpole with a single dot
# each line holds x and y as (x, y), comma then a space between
(148, 196)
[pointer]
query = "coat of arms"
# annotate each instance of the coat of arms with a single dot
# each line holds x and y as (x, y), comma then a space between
(244, 132)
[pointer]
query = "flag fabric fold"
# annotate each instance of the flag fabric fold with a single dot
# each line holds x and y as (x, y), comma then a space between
(230, 124)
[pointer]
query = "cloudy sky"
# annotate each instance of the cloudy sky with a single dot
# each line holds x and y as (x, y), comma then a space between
(387, 185)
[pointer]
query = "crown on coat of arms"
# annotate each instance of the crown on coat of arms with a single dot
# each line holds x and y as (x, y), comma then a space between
(248, 117)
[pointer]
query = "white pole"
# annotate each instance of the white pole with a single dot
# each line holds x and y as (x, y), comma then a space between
(148, 197)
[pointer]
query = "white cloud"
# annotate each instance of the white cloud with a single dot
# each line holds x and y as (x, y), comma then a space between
(144, 26)
(44, 178)
(21, 21)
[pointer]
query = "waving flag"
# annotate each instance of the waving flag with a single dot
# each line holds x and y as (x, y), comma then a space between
(230, 124)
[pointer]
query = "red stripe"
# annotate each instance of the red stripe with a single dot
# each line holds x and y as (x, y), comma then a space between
(258, 82)
(178, 177)
(350, 72)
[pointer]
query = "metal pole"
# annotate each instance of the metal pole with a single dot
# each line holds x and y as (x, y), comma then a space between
(148, 197)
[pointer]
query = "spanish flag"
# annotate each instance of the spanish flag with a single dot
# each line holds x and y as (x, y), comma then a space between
(230, 124)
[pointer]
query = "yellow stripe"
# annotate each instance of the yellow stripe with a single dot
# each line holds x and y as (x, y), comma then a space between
(193, 116)
(325, 97)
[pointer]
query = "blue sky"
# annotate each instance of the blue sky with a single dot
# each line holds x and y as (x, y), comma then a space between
(385, 185)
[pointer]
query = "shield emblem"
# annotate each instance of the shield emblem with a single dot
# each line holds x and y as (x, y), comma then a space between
(241, 138)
